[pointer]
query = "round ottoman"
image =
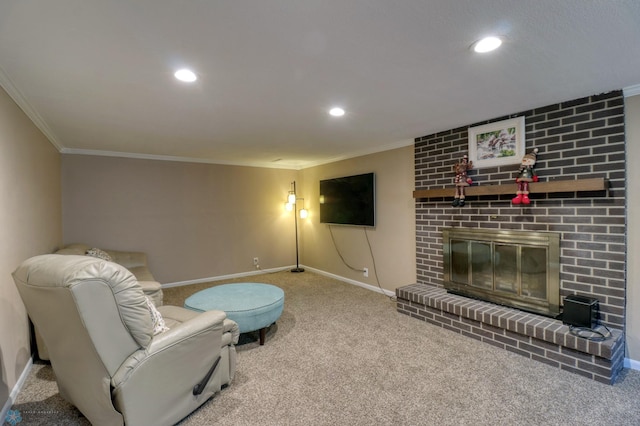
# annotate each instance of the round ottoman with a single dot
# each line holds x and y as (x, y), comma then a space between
(253, 306)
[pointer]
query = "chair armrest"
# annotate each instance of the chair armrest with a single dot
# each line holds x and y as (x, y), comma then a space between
(186, 330)
(197, 338)
(231, 328)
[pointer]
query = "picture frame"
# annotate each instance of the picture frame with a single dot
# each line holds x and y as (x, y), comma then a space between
(497, 144)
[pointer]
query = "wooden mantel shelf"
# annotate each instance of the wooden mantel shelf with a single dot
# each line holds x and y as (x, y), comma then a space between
(594, 184)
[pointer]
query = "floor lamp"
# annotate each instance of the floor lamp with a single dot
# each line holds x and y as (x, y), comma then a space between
(292, 201)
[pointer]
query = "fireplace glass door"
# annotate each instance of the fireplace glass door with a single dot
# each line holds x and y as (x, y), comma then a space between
(505, 261)
(534, 272)
(481, 268)
(519, 269)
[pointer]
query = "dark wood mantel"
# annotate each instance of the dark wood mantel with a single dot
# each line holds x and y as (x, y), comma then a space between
(578, 185)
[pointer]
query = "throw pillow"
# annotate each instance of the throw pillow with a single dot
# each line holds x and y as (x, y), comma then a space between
(156, 318)
(100, 254)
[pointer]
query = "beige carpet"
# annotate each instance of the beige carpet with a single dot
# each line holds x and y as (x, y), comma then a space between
(342, 355)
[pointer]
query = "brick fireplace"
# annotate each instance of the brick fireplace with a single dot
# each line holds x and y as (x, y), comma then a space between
(579, 139)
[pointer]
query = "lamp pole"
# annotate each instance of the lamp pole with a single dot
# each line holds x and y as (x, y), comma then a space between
(295, 219)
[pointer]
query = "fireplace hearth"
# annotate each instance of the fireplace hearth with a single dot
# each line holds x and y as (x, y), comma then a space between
(519, 269)
(531, 335)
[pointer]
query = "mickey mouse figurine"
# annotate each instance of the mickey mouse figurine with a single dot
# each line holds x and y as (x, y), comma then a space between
(461, 180)
(526, 174)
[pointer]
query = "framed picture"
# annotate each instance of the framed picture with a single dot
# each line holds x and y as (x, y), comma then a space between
(497, 144)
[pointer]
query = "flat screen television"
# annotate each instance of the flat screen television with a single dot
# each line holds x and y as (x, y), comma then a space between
(348, 200)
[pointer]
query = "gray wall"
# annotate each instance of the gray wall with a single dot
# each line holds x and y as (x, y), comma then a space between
(30, 222)
(194, 221)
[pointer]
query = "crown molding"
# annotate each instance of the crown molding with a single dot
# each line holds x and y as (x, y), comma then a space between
(631, 90)
(268, 165)
(21, 101)
(99, 153)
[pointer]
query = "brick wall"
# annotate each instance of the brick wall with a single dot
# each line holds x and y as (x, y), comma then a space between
(582, 138)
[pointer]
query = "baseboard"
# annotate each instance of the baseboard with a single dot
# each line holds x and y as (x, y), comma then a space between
(226, 277)
(632, 364)
(16, 390)
(284, 268)
(353, 282)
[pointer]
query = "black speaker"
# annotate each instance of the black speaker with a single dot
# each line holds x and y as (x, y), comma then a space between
(580, 311)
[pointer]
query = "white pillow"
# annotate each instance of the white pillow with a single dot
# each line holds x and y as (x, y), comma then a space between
(156, 318)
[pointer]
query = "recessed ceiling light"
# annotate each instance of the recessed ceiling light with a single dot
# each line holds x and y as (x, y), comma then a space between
(336, 112)
(185, 75)
(487, 44)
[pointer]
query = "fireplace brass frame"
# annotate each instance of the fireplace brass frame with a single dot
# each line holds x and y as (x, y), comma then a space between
(548, 240)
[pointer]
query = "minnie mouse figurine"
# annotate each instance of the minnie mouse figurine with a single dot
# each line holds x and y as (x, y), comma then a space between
(526, 174)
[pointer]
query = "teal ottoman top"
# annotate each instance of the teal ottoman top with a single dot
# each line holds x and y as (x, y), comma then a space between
(253, 306)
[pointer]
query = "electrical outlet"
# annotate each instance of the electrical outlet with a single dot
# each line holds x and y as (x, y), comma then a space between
(256, 261)
(365, 272)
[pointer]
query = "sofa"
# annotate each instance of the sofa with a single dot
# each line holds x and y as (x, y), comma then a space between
(134, 261)
(116, 357)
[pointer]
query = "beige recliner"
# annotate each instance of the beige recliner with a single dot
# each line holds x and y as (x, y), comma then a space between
(97, 325)
(134, 261)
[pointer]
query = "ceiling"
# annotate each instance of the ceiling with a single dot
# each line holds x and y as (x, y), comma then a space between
(97, 76)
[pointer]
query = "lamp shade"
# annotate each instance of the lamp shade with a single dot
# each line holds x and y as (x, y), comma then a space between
(304, 213)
